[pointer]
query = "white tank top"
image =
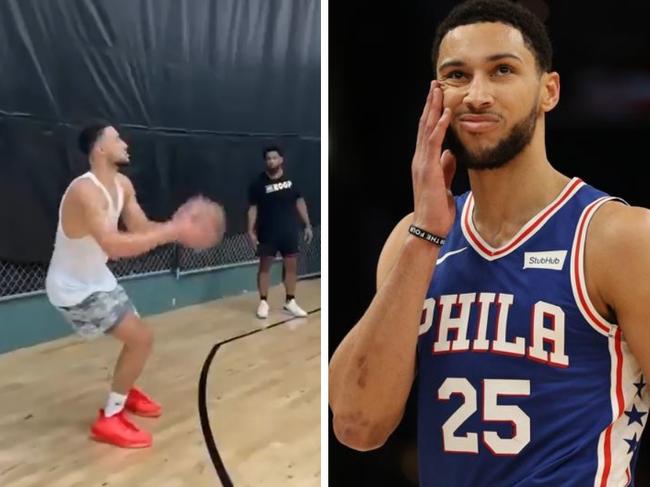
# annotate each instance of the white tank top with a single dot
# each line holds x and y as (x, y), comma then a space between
(78, 266)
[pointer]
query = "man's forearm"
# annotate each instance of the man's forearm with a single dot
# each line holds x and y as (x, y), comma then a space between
(252, 219)
(150, 225)
(131, 244)
(139, 225)
(302, 211)
(371, 372)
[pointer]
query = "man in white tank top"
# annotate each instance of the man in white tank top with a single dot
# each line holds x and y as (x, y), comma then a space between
(83, 289)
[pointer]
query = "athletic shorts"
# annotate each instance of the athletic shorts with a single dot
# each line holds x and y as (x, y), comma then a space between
(286, 243)
(98, 313)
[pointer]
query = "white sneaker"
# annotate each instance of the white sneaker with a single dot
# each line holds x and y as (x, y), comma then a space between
(263, 310)
(293, 308)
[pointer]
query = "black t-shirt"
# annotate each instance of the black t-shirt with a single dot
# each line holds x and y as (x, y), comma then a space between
(276, 204)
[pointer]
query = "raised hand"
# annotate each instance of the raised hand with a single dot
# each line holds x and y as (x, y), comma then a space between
(432, 171)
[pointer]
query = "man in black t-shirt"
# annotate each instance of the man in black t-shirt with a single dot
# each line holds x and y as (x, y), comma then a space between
(273, 226)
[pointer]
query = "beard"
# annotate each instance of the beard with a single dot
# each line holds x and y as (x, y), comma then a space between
(503, 152)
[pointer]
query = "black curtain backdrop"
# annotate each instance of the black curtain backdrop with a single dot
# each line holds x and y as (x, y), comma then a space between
(197, 88)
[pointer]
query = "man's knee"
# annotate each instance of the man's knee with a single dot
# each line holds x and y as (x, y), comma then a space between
(146, 338)
(134, 332)
(265, 264)
(290, 263)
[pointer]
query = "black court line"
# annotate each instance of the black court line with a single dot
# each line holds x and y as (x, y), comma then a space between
(203, 408)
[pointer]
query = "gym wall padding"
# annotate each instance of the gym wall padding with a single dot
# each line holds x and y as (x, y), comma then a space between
(197, 87)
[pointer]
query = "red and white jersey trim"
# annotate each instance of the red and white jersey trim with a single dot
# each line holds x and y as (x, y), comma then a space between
(613, 451)
(526, 232)
(578, 281)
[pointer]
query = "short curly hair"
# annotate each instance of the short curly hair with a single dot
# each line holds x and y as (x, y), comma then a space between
(90, 134)
(506, 12)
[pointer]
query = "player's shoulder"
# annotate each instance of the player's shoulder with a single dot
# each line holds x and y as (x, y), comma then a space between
(83, 193)
(124, 179)
(125, 182)
(618, 238)
(619, 233)
(83, 189)
(616, 256)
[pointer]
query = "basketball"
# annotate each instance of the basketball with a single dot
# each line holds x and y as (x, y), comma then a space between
(209, 223)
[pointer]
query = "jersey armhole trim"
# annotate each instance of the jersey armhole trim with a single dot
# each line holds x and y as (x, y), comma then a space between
(578, 282)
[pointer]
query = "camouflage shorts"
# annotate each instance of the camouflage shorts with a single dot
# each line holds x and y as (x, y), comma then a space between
(99, 312)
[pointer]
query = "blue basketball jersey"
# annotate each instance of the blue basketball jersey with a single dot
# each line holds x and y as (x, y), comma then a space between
(521, 382)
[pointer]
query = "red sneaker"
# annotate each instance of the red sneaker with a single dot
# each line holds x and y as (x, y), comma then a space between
(119, 431)
(139, 403)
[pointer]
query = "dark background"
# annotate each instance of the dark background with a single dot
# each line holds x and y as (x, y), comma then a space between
(198, 88)
(379, 60)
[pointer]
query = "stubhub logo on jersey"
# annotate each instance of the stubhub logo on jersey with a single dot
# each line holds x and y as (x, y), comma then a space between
(272, 188)
(553, 259)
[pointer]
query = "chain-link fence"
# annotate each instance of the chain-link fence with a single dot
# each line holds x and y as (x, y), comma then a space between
(309, 258)
(21, 279)
(234, 249)
(237, 249)
(18, 280)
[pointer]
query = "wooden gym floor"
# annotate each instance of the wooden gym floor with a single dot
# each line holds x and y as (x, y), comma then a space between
(263, 399)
